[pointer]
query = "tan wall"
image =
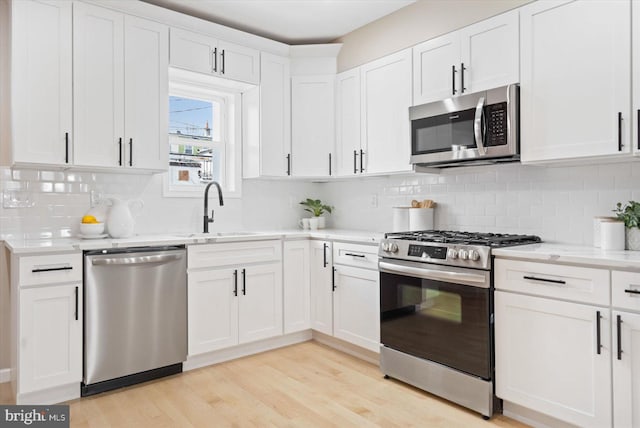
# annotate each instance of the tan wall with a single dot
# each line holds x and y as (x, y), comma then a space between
(413, 24)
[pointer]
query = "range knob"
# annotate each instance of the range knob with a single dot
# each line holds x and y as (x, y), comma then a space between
(390, 247)
(463, 254)
(452, 254)
(473, 255)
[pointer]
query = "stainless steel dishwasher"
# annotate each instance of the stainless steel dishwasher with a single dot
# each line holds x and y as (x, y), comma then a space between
(135, 315)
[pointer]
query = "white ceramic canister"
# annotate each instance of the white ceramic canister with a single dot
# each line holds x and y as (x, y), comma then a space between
(400, 219)
(597, 221)
(612, 235)
(421, 218)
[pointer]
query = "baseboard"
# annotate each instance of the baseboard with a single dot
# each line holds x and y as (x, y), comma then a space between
(215, 357)
(55, 395)
(531, 417)
(347, 348)
(5, 375)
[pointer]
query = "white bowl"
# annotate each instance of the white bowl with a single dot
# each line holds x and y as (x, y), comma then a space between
(91, 229)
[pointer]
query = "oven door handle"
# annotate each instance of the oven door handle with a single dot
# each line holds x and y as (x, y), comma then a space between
(477, 127)
(425, 273)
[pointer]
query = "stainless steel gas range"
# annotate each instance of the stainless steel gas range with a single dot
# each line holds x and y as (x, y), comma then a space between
(436, 312)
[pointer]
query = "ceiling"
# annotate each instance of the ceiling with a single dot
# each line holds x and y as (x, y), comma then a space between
(289, 21)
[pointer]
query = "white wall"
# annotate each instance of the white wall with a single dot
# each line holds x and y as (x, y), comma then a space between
(557, 203)
(420, 21)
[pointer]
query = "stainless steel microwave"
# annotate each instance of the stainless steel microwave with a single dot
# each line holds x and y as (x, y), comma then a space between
(477, 128)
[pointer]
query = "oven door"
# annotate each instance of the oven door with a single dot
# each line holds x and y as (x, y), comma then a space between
(439, 313)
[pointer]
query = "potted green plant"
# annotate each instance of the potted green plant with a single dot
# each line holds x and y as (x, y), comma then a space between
(630, 214)
(317, 208)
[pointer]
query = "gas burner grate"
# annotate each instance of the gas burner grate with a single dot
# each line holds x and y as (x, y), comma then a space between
(494, 240)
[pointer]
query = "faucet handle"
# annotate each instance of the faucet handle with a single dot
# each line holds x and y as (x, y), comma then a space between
(211, 218)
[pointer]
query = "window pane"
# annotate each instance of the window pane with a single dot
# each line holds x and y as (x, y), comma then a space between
(194, 118)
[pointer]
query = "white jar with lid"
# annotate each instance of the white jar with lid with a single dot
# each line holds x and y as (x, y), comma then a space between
(597, 221)
(612, 235)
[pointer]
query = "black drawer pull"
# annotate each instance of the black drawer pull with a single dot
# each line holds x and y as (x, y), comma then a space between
(598, 335)
(333, 279)
(51, 269)
(619, 326)
(355, 255)
(244, 282)
(553, 281)
(76, 303)
(235, 282)
(632, 291)
(324, 254)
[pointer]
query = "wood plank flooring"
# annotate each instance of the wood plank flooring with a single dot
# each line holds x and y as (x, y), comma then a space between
(304, 385)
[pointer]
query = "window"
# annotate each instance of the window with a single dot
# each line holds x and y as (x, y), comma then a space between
(202, 129)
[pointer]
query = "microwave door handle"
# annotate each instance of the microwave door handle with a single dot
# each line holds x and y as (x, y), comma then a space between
(477, 127)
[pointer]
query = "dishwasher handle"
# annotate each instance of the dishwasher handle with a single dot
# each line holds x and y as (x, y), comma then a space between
(139, 260)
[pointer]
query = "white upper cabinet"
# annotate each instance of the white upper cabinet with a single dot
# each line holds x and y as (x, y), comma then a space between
(348, 123)
(267, 120)
(385, 100)
(205, 54)
(312, 125)
(146, 59)
(478, 57)
(42, 82)
(576, 82)
(635, 44)
(120, 90)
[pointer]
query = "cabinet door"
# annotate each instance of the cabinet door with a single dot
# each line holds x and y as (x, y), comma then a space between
(192, 51)
(260, 296)
(312, 120)
(275, 115)
(635, 10)
(386, 97)
(213, 310)
(486, 67)
(348, 123)
(238, 62)
(50, 337)
(297, 299)
(98, 91)
(436, 68)
(42, 82)
(321, 267)
(146, 96)
(575, 79)
(547, 358)
(626, 369)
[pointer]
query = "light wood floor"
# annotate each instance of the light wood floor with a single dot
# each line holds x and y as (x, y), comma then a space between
(305, 385)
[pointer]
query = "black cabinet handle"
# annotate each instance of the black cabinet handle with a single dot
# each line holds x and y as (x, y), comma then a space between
(453, 80)
(638, 125)
(462, 69)
(553, 281)
(76, 303)
(120, 151)
(598, 336)
(619, 325)
(66, 147)
(355, 255)
(222, 55)
(329, 163)
(333, 279)
(324, 250)
(632, 291)
(355, 161)
(235, 282)
(289, 164)
(51, 269)
(361, 160)
(619, 131)
(130, 151)
(215, 60)
(244, 282)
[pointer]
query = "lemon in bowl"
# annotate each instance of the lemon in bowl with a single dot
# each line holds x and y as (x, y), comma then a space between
(90, 226)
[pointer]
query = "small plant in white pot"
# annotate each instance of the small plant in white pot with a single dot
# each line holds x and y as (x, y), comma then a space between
(317, 208)
(630, 214)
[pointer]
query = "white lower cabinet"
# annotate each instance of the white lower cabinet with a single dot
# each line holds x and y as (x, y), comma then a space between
(356, 307)
(554, 357)
(626, 369)
(321, 267)
(237, 303)
(297, 286)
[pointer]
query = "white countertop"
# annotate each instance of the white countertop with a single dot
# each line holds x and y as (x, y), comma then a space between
(26, 246)
(573, 254)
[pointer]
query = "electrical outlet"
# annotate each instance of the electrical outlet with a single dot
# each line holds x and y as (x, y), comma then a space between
(374, 200)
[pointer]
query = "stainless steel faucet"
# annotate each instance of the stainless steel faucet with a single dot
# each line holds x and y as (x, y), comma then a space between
(208, 219)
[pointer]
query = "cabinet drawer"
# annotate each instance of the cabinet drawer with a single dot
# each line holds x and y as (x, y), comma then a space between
(364, 256)
(49, 269)
(625, 290)
(551, 280)
(233, 253)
